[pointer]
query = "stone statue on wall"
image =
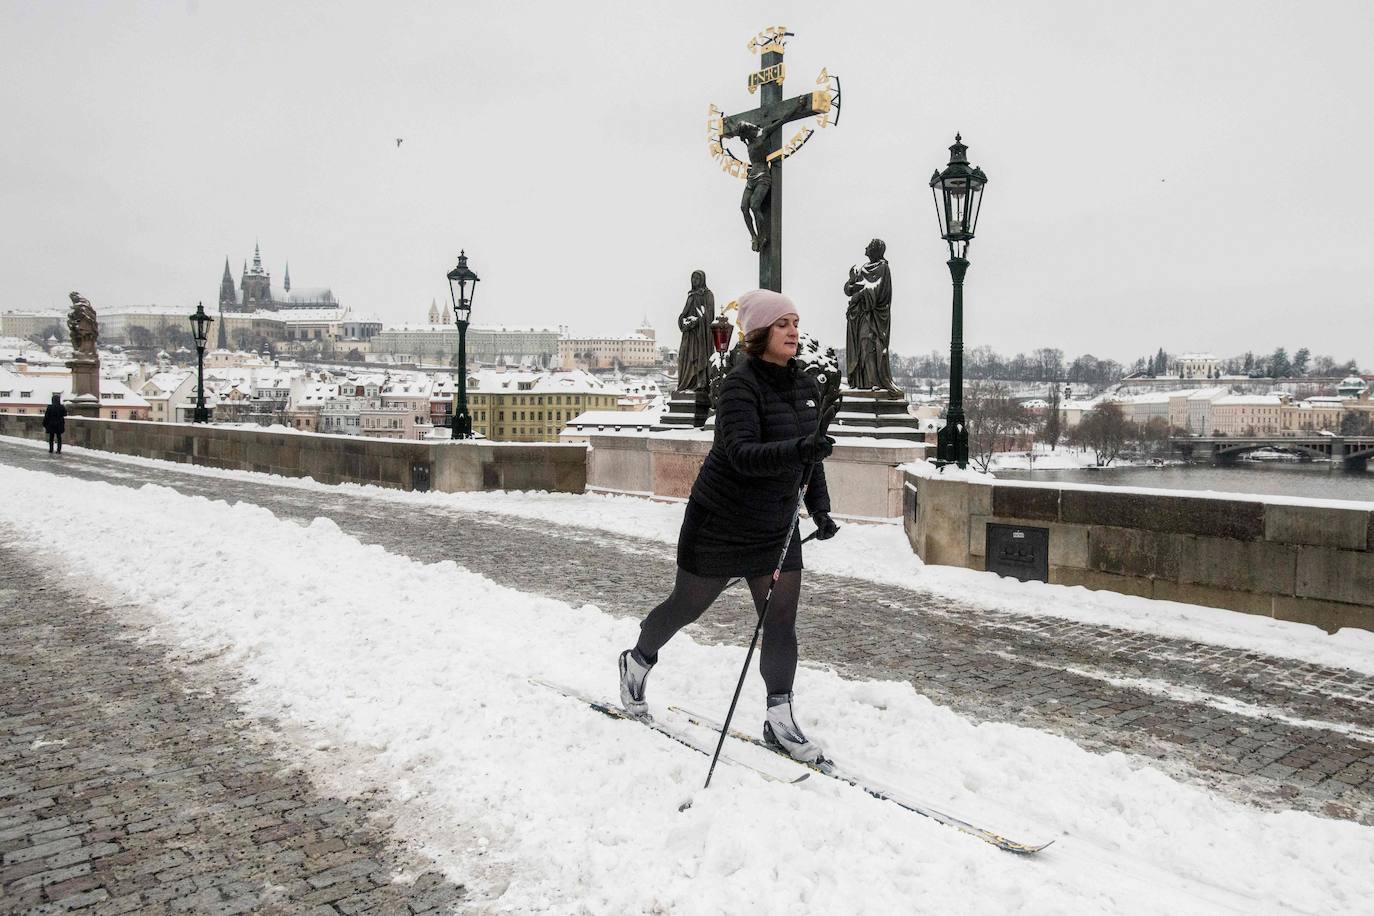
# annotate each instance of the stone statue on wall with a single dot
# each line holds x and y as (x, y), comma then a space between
(694, 355)
(869, 322)
(82, 327)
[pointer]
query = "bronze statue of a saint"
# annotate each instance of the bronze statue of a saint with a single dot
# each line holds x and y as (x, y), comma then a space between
(82, 327)
(694, 355)
(869, 326)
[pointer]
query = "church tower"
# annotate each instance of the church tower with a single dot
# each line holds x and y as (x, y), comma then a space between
(646, 329)
(227, 296)
(436, 314)
(286, 284)
(256, 284)
(223, 341)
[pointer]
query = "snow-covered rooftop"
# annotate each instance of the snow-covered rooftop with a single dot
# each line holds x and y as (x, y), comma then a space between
(612, 418)
(519, 381)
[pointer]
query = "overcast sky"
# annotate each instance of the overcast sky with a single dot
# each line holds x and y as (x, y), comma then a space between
(1194, 176)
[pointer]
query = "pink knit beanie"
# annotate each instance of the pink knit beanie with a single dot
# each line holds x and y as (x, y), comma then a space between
(759, 308)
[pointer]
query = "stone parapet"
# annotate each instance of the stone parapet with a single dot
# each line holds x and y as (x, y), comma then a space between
(409, 465)
(864, 480)
(1283, 558)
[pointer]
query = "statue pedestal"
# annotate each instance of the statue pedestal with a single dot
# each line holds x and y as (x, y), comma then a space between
(83, 405)
(686, 410)
(875, 414)
(85, 397)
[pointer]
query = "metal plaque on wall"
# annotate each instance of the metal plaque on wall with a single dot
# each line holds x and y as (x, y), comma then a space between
(1018, 551)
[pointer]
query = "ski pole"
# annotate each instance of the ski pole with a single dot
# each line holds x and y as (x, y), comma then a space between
(823, 418)
(758, 626)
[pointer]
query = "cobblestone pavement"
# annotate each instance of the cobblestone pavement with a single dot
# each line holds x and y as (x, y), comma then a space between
(130, 785)
(1268, 731)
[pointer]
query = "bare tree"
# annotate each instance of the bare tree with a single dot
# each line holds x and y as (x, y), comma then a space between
(141, 337)
(1103, 429)
(994, 420)
(1052, 431)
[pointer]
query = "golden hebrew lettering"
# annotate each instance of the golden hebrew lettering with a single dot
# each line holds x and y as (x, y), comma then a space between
(824, 78)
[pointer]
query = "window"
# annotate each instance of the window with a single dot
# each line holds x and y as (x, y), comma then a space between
(26, 394)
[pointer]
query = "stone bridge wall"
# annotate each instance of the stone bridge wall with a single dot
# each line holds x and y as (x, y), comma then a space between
(1312, 563)
(864, 481)
(449, 466)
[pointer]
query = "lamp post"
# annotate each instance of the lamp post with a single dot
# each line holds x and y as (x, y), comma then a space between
(958, 192)
(459, 279)
(721, 331)
(200, 329)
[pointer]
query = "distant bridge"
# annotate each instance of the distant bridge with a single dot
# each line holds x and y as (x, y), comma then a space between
(1353, 451)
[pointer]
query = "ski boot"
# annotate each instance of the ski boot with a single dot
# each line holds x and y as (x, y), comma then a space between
(780, 730)
(633, 674)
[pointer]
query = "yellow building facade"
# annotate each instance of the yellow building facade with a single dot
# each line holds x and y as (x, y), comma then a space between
(533, 406)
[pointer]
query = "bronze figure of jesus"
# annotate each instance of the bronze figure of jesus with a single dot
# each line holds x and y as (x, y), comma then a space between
(759, 184)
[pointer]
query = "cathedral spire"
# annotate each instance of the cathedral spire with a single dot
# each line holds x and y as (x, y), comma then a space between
(223, 341)
(287, 281)
(227, 296)
(257, 259)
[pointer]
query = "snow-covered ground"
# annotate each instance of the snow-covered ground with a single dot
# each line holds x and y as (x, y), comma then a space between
(412, 679)
(876, 553)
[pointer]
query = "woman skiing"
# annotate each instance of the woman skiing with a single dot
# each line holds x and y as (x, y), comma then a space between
(740, 507)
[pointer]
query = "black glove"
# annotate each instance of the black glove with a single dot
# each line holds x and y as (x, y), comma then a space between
(825, 526)
(811, 451)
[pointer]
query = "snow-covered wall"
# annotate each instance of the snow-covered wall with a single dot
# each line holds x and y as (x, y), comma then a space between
(1310, 561)
(408, 465)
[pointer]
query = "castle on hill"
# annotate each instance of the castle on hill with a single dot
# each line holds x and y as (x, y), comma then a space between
(255, 292)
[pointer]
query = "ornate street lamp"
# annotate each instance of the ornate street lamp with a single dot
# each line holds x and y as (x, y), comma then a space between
(721, 331)
(459, 281)
(200, 329)
(958, 192)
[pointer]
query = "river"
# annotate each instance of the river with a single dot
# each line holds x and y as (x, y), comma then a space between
(1318, 479)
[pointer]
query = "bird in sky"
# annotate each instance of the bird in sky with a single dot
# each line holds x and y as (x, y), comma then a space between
(398, 141)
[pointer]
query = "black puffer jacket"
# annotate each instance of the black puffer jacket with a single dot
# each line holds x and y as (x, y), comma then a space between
(753, 470)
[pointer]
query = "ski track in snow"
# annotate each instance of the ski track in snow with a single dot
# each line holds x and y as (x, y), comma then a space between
(411, 678)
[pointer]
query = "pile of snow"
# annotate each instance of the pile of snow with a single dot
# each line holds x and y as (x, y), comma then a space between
(412, 680)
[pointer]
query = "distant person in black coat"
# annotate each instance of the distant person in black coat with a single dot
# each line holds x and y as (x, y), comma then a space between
(740, 506)
(55, 423)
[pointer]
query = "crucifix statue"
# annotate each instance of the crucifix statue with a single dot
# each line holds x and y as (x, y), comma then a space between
(761, 130)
